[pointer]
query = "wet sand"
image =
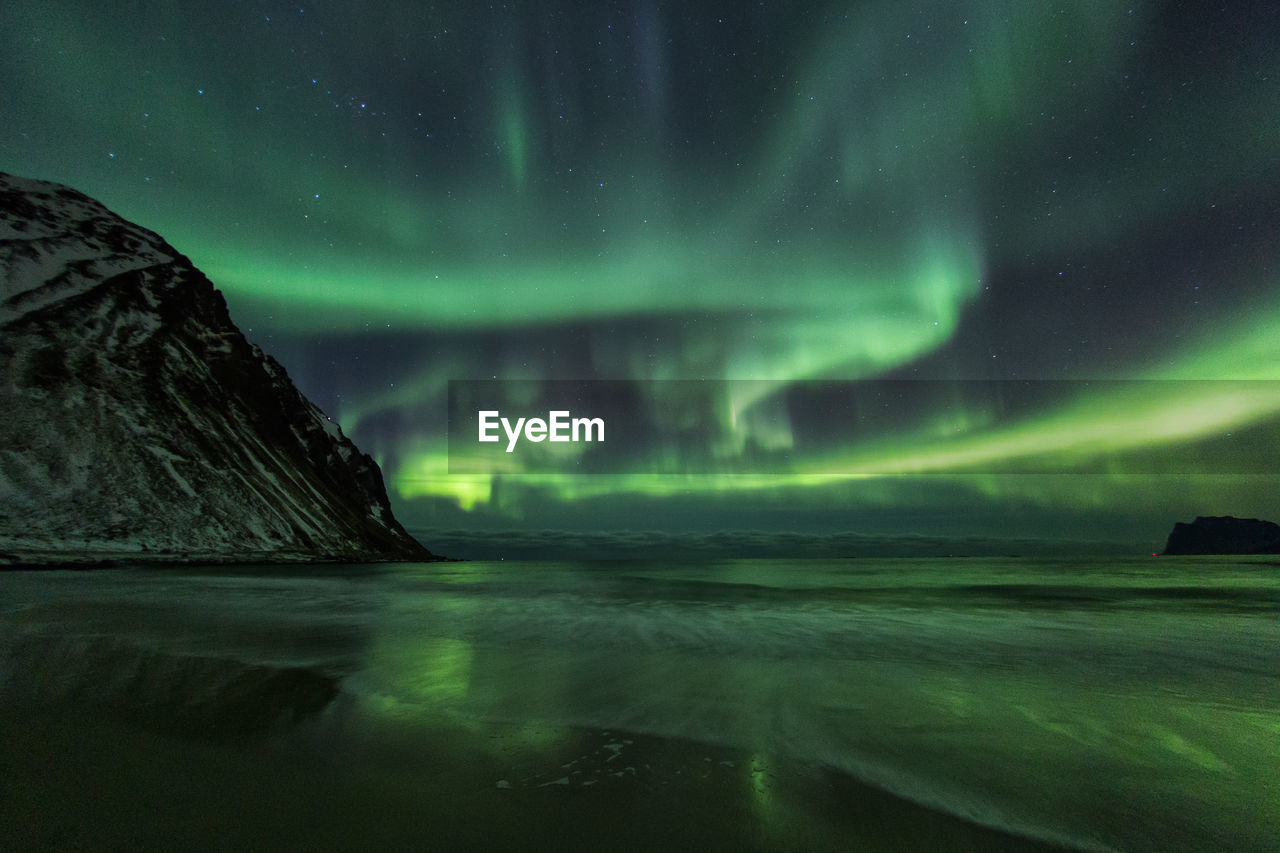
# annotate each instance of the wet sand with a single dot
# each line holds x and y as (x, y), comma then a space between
(81, 784)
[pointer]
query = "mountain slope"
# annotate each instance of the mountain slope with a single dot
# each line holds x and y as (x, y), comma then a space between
(136, 419)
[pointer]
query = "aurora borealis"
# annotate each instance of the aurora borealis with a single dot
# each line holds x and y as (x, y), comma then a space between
(397, 196)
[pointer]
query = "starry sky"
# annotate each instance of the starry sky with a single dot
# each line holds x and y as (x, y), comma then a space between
(1082, 197)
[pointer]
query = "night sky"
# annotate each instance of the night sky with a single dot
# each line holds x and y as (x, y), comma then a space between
(395, 195)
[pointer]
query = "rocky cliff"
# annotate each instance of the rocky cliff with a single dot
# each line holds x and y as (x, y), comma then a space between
(137, 421)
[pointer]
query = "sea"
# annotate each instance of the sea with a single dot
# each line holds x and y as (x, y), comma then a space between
(943, 703)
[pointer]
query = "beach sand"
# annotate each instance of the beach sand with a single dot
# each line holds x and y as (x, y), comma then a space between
(73, 783)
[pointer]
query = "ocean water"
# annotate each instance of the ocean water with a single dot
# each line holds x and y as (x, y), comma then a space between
(1095, 704)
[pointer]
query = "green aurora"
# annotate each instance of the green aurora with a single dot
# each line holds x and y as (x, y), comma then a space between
(777, 192)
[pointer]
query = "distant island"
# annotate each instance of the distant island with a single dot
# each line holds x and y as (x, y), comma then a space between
(1224, 534)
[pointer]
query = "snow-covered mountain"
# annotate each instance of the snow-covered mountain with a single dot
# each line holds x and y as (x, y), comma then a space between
(135, 419)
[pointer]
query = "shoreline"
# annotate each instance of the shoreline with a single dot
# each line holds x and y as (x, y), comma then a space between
(76, 782)
(37, 561)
